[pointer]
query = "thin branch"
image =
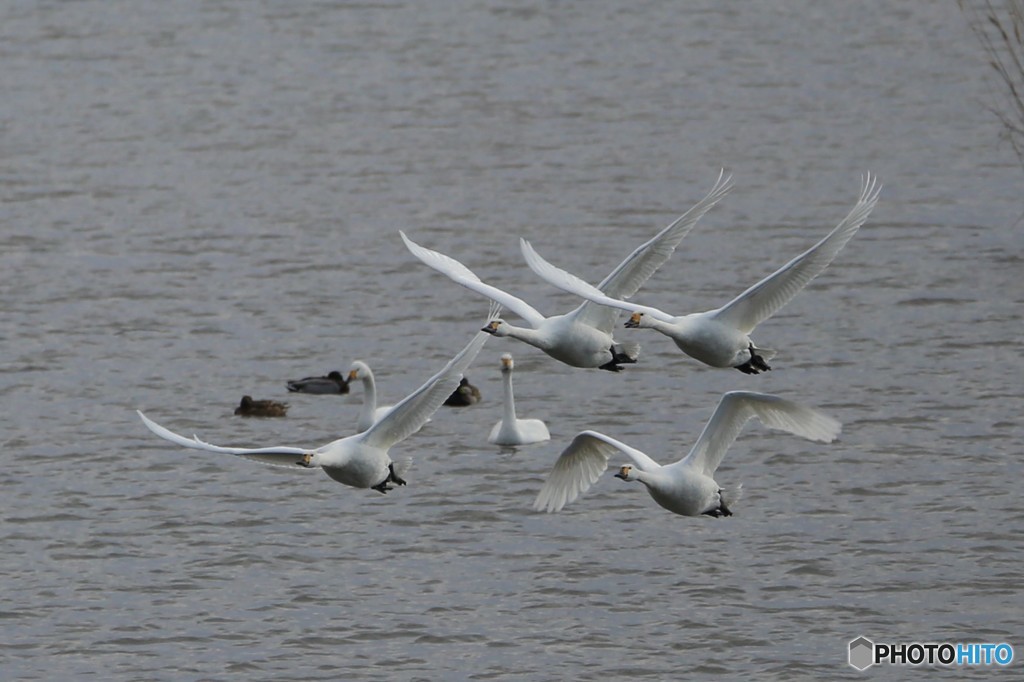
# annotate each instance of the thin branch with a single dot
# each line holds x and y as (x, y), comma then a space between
(999, 31)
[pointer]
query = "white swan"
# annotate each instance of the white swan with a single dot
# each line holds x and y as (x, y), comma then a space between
(721, 338)
(582, 337)
(510, 430)
(361, 460)
(686, 487)
(370, 413)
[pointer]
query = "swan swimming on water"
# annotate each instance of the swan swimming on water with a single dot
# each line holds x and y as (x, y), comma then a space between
(721, 337)
(510, 430)
(360, 460)
(686, 487)
(582, 337)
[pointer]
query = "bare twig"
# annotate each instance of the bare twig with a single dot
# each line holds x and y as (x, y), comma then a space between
(999, 28)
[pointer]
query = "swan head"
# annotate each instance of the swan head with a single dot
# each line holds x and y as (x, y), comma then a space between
(307, 460)
(626, 473)
(496, 328)
(358, 370)
(506, 362)
(634, 320)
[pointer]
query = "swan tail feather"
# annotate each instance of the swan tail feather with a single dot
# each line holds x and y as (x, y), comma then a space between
(731, 495)
(628, 349)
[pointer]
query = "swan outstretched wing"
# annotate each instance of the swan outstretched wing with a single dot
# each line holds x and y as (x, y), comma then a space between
(566, 281)
(281, 455)
(409, 415)
(762, 300)
(733, 411)
(580, 465)
(631, 274)
(460, 274)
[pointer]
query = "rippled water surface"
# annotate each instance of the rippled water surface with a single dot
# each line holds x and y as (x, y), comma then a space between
(201, 200)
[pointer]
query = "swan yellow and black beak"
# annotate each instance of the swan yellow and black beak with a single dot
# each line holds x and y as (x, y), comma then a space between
(634, 321)
(624, 472)
(492, 327)
(306, 461)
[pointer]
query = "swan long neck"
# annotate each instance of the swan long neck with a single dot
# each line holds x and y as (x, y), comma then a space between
(526, 335)
(654, 323)
(509, 405)
(369, 397)
(642, 476)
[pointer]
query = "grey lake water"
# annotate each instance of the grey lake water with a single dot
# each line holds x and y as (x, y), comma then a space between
(200, 200)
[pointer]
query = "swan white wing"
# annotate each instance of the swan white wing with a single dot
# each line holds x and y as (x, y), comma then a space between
(580, 465)
(409, 415)
(631, 274)
(733, 411)
(281, 456)
(460, 274)
(762, 300)
(568, 282)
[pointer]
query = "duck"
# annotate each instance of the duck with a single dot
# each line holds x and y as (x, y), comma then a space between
(686, 487)
(720, 338)
(261, 408)
(583, 337)
(370, 412)
(511, 430)
(465, 395)
(361, 460)
(331, 383)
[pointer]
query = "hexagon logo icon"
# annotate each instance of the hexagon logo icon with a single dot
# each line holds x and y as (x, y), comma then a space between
(862, 653)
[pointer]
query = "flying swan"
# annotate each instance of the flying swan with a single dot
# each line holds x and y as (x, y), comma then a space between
(582, 337)
(721, 338)
(510, 430)
(686, 487)
(361, 460)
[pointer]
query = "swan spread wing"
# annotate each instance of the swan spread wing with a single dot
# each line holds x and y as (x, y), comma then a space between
(281, 456)
(580, 465)
(733, 411)
(409, 415)
(631, 274)
(460, 274)
(762, 300)
(566, 281)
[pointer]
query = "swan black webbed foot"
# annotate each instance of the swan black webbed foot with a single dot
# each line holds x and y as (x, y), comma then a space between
(392, 477)
(719, 511)
(755, 365)
(618, 358)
